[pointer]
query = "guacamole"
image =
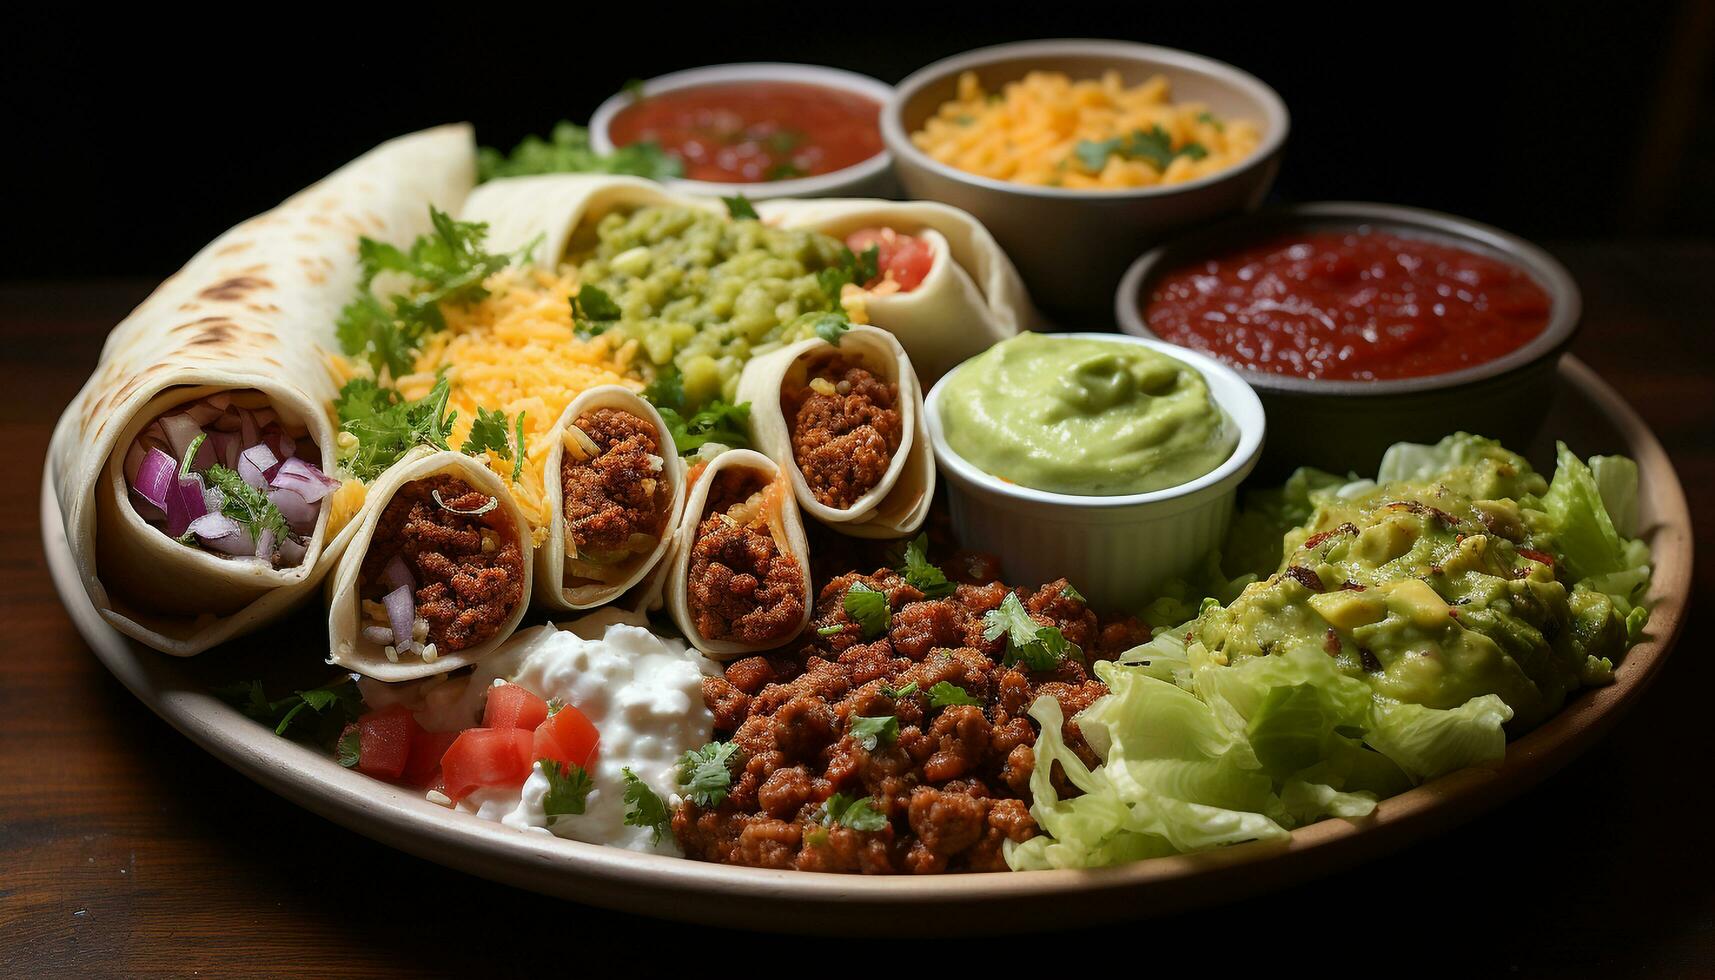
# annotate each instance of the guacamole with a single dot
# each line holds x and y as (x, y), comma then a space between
(703, 292)
(1084, 416)
(1434, 592)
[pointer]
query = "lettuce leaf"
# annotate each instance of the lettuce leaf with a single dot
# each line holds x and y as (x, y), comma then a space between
(1429, 742)
(1584, 533)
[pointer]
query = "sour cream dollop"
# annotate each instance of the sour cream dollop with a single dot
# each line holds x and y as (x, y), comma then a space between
(642, 692)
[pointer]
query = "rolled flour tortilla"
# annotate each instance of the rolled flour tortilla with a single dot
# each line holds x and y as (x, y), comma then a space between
(899, 502)
(778, 510)
(567, 580)
(971, 299)
(253, 311)
(347, 589)
(552, 212)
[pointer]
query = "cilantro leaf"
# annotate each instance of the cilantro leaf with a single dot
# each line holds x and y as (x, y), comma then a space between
(386, 427)
(946, 694)
(1038, 647)
(667, 389)
(246, 504)
(593, 310)
(923, 576)
(1154, 145)
(872, 730)
(643, 808)
(833, 629)
(705, 774)
(851, 268)
(568, 150)
(868, 607)
(859, 814)
(716, 422)
(1093, 154)
(568, 787)
(488, 432)
(739, 208)
(330, 708)
(900, 692)
(831, 327)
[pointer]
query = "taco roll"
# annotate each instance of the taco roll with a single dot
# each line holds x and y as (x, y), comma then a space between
(211, 398)
(740, 580)
(956, 301)
(846, 424)
(437, 573)
(616, 489)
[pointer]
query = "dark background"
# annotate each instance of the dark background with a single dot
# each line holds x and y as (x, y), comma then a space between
(132, 149)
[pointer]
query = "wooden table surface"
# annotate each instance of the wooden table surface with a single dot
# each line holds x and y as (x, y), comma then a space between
(125, 850)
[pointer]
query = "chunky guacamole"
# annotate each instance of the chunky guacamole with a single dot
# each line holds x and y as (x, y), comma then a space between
(1397, 629)
(1084, 416)
(702, 292)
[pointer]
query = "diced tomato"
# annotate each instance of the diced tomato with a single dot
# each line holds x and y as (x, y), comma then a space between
(424, 764)
(511, 706)
(906, 259)
(567, 736)
(486, 757)
(384, 741)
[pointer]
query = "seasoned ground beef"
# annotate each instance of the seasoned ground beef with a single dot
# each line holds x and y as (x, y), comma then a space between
(844, 441)
(618, 493)
(469, 569)
(741, 586)
(953, 784)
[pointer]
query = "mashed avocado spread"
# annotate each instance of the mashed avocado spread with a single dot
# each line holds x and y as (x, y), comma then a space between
(1084, 416)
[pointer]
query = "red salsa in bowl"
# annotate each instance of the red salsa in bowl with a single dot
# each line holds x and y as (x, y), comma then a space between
(745, 132)
(1351, 305)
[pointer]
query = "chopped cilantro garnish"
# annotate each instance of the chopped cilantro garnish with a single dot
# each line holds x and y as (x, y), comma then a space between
(448, 266)
(350, 748)
(1209, 118)
(716, 422)
(246, 504)
(739, 208)
(850, 268)
(331, 708)
(568, 787)
(387, 427)
(643, 808)
(831, 327)
(946, 694)
(923, 576)
(859, 814)
(1154, 145)
(900, 692)
(834, 629)
(667, 389)
(554, 706)
(784, 171)
(706, 774)
(872, 730)
(593, 311)
(1038, 647)
(568, 150)
(868, 607)
(488, 432)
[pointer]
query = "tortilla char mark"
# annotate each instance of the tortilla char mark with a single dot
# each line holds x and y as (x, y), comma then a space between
(236, 288)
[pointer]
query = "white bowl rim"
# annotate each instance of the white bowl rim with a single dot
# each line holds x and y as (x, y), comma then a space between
(1231, 394)
(1548, 272)
(1279, 118)
(758, 71)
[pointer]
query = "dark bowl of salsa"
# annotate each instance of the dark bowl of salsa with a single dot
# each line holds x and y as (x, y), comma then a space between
(1362, 325)
(763, 129)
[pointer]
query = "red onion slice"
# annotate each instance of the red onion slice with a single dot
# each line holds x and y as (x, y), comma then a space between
(291, 553)
(298, 512)
(396, 574)
(401, 612)
(155, 477)
(253, 463)
(265, 543)
(185, 504)
(181, 431)
(217, 532)
(202, 412)
(247, 426)
(305, 478)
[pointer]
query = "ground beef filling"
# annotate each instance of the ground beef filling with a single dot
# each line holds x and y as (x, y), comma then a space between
(741, 586)
(617, 493)
(469, 569)
(954, 782)
(846, 429)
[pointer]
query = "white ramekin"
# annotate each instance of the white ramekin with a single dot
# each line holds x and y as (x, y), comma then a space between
(867, 178)
(1116, 550)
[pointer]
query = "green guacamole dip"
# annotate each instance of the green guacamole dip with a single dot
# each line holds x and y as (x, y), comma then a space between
(703, 292)
(1083, 416)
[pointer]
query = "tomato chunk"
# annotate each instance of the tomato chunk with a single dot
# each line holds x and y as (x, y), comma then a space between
(424, 764)
(906, 259)
(511, 706)
(384, 741)
(482, 757)
(567, 736)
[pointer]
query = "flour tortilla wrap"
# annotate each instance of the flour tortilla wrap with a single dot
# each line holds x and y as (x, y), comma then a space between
(897, 505)
(553, 212)
(785, 523)
(349, 648)
(558, 582)
(971, 299)
(252, 311)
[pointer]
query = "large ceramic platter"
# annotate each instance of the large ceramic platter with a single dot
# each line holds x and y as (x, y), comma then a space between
(1587, 414)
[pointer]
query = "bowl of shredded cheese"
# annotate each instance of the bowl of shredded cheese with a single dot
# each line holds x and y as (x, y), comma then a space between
(1079, 154)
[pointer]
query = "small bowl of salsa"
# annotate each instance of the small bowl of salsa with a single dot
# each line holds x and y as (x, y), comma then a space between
(763, 129)
(1361, 325)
